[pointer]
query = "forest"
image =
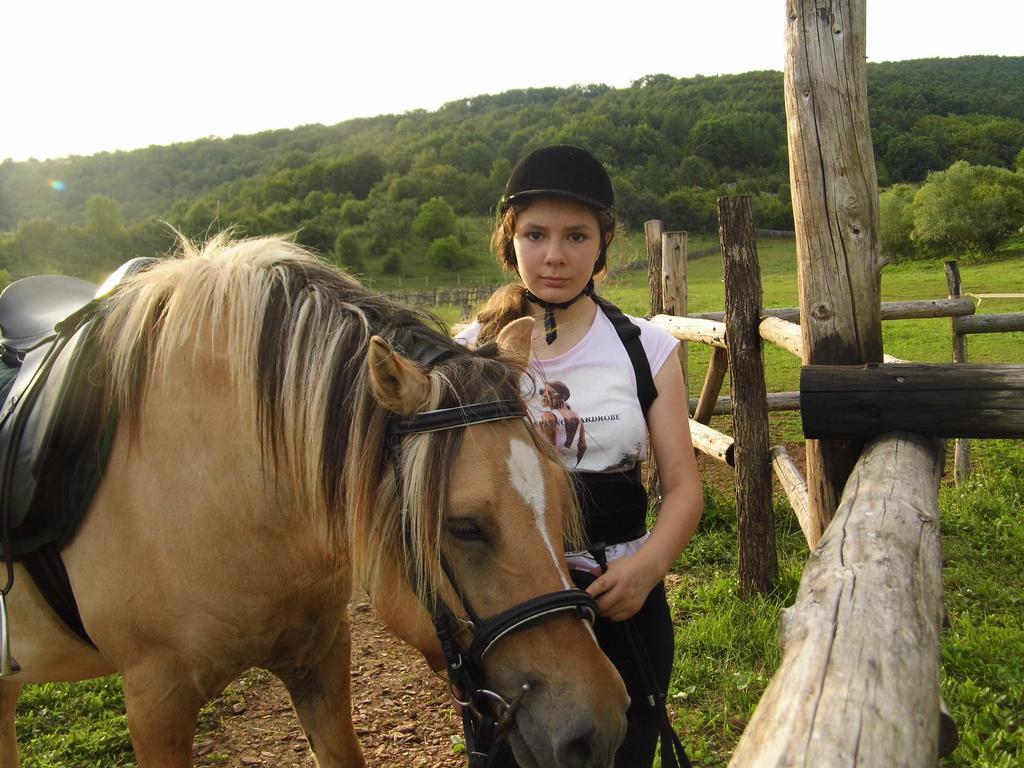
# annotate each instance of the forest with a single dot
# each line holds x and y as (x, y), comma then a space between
(394, 194)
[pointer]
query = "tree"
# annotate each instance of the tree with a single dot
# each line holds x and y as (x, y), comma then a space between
(910, 157)
(738, 139)
(436, 219)
(897, 224)
(392, 263)
(104, 242)
(389, 224)
(39, 245)
(348, 250)
(103, 217)
(691, 209)
(968, 208)
(448, 253)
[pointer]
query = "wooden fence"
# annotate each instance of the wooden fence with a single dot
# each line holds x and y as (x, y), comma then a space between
(466, 297)
(988, 412)
(859, 680)
(839, 641)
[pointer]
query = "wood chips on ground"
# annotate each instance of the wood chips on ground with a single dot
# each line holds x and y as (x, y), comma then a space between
(401, 711)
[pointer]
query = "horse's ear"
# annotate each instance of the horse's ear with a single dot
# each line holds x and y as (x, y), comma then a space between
(515, 338)
(397, 384)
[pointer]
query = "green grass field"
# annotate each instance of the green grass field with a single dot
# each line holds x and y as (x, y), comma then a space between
(727, 649)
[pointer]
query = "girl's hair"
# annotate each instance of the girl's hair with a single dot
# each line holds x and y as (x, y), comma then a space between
(509, 302)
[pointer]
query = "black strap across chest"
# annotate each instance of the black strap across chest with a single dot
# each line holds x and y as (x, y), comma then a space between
(629, 335)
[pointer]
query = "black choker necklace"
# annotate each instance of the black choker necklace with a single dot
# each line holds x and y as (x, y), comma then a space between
(550, 331)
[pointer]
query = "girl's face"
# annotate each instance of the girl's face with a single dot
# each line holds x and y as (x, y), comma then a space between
(557, 242)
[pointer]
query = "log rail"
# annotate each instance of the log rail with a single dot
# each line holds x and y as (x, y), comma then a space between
(859, 678)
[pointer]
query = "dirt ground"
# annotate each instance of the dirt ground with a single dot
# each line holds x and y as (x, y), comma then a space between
(401, 711)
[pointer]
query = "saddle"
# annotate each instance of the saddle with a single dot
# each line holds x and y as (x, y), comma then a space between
(54, 440)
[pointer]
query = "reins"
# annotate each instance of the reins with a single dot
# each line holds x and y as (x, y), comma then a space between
(486, 714)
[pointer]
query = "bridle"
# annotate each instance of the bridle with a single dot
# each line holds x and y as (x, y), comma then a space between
(486, 714)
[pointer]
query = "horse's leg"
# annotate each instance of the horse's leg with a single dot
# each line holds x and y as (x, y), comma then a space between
(162, 713)
(322, 697)
(9, 693)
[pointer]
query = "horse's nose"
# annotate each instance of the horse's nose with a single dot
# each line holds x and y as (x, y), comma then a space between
(582, 745)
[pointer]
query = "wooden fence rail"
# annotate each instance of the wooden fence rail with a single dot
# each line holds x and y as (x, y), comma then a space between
(859, 679)
(459, 296)
(891, 310)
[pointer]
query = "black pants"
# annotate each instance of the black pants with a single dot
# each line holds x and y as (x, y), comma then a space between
(652, 627)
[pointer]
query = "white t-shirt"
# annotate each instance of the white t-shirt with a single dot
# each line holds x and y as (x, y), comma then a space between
(585, 400)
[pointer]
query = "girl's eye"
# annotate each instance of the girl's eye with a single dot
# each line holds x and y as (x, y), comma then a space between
(577, 237)
(465, 530)
(534, 237)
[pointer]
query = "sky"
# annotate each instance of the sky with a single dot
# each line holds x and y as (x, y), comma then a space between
(84, 77)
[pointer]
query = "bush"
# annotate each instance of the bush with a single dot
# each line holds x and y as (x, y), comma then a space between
(436, 219)
(968, 208)
(897, 224)
(392, 263)
(448, 253)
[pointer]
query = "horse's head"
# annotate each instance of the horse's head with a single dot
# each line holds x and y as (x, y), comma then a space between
(484, 541)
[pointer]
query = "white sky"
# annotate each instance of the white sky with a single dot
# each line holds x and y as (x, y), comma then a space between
(82, 77)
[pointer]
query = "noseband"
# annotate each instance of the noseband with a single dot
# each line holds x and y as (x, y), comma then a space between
(486, 713)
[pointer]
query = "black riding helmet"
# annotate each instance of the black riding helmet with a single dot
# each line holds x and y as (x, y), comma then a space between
(562, 170)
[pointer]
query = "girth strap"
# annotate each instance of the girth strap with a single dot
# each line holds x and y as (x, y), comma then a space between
(47, 570)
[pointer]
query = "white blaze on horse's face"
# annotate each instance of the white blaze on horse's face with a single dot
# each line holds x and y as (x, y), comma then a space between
(527, 477)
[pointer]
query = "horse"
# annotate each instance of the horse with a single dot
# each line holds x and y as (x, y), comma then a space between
(284, 435)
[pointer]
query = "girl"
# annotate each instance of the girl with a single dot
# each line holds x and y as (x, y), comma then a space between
(556, 220)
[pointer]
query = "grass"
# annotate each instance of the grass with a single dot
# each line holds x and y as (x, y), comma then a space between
(727, 649)
(82, 725)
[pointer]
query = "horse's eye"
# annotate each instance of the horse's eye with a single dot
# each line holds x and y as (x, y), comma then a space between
(465, 529)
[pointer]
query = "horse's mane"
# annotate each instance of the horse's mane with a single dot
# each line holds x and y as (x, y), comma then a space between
(295, 333)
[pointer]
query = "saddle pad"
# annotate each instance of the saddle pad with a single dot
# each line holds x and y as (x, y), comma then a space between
(52, 465)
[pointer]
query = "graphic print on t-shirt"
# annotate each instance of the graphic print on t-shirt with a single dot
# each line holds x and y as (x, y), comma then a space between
(603, 428)
(593, 428)
(559, 422)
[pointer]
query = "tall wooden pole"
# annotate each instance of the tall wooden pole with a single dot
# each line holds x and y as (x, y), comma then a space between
(835, 210)
(674, 293)
(755, 525)
(652, 236)
(962, 447)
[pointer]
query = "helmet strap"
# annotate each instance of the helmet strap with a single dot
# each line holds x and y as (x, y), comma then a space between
(550, 328)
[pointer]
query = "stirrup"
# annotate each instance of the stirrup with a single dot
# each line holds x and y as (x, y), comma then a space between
(8, 666)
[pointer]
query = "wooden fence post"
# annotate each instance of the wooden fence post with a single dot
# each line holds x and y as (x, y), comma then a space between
(653, 230)
(835, 210)
(755, 528)
(962, 447)
(673, 285)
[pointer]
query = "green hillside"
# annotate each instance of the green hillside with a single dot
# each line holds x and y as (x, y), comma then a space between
(353, 190)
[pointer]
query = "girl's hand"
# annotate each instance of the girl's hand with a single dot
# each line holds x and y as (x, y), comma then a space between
(622, 589)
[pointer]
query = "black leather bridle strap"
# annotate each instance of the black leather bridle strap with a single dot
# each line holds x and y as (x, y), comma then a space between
(530, 613)
(459, 416)
(536, 610)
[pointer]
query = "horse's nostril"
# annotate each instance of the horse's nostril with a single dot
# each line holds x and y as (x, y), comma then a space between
(577, 754)
(577, 749)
